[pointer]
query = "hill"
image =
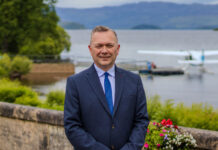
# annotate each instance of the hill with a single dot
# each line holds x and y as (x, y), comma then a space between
(71, 25)
(161, 14)
(145, 26)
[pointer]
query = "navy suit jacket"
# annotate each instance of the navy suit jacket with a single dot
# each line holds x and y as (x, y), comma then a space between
(87, 119)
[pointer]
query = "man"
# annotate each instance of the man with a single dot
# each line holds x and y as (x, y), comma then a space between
(105, 106)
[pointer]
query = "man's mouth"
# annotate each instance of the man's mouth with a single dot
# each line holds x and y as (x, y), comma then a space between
(104, 57)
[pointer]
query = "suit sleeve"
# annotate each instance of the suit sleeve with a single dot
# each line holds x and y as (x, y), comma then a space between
(141, 121)
(75, 133)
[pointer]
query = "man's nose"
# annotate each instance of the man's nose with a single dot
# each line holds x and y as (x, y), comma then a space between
(104, 49)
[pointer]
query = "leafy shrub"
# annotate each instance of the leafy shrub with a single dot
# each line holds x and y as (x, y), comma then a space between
(55, 98)
(5, 65)
(20, 65)
(14, 92)
(154, 106)
(24, 100)
(200, 115)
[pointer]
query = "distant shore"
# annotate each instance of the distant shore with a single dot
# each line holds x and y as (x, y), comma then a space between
(53, 68)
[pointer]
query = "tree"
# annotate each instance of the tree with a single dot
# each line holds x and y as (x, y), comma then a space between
(30, 27)
(48, 45)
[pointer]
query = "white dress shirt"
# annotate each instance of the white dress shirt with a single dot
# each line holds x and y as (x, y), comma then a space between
(111, 78)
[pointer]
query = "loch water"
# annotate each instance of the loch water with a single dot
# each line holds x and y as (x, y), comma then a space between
(192, 87)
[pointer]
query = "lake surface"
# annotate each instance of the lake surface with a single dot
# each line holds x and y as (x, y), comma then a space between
(189, 88)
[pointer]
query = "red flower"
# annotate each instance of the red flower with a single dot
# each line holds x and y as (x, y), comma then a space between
(146, 145)
(147, 130)
(161, 134)
(166, 123)
(158, 145)
(175, 126)
(169, 122)
(163, 122)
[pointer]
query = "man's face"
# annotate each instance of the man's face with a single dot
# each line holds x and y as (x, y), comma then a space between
(104, 49)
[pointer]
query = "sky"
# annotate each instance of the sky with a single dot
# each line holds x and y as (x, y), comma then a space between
(101, 3)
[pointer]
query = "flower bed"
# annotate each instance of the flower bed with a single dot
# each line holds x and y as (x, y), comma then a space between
(167, 136)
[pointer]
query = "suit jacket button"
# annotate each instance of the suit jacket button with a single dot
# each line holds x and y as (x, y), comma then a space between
(113, 126)
(112, 147)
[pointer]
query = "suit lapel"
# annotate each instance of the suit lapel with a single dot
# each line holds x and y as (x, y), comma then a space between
(119, 84)
(94, 82)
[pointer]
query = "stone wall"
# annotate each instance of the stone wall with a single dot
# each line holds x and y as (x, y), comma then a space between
(206, 139)
(30, 128)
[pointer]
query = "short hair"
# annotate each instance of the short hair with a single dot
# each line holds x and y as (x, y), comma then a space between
(103, 29)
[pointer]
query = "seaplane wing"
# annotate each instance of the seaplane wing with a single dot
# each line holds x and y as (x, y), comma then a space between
(192, 57)
(189, 62)
(211, 62)
(197, 62)
(180, 53)
(173, 53)
(210, 52)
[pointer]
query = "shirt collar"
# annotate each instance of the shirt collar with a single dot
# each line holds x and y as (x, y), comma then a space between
(101, 72)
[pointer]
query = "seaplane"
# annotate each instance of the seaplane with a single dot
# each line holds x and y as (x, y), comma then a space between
(192, 57)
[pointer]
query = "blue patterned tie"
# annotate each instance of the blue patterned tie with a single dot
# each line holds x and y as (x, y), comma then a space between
(108, 92)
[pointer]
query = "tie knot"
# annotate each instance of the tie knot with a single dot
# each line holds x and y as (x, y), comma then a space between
(106, 74)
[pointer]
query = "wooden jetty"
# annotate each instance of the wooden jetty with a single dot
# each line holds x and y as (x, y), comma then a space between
(162, 71)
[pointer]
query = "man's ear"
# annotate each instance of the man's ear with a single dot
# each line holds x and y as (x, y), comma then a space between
(89, 46)
(118, 49)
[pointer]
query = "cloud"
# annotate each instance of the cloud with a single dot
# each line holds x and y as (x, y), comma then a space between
(101, 3)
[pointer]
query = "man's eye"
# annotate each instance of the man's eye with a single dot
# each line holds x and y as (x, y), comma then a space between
(98, 46)
(109, 45)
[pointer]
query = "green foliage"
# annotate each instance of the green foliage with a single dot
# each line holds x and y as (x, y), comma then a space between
(167, 111)
(153, 137)
(26, 100)
(31, 24)
(18, 66)
(196, 116)
(55, 98)
(21, 65)
(48, 45)
(154, 105)
(14, 92)
(5, 65)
